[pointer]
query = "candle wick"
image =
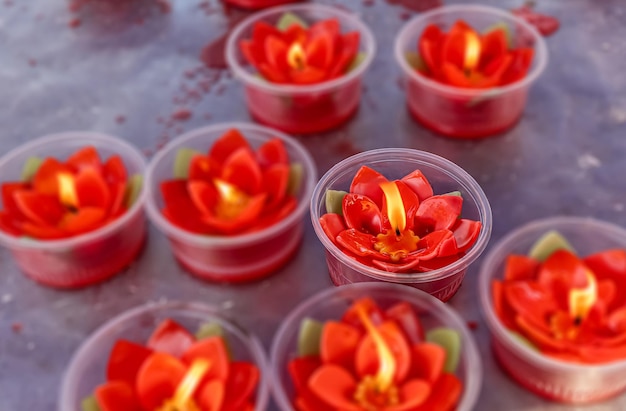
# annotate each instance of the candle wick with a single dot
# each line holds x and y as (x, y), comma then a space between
(577, 321)
(397, 232)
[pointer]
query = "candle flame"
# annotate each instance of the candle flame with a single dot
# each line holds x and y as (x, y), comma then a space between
(581, 300)
(386, 361)
(296, 57)
(182, 399)
(395, 207)
(67, 190)
(231, 202)
(472, 50)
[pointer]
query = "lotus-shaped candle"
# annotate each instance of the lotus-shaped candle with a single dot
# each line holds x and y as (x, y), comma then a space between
(301, 65)
(71, 207)
(230, 198)
(373, 347)
(553, 295)
(400, 215)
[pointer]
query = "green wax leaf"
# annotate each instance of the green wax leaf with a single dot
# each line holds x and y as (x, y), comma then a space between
(504, 27)
(30, 168)
(89, 404)
(484, 96)
(182, 161)
(415, 61)
(523, 340)
(450, 340)
(453, 193)
(334, 201)
(133, 189)
(358, 59)
(288, 19)
(309, 337)
(548, 244)
(296, 173)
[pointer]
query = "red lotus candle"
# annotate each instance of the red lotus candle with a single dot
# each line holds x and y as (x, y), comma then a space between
(372, 347)
(301, 65)
(398, 226)
(257, 4)
(230, 199)
(468, 69)
(66, 216)
(175, 370)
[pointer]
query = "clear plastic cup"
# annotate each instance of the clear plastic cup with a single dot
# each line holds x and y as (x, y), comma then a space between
(231, 258)
(88, 258)
(394, 163)
(87, 368)
(301, 109)
(544, 376)
(330, 304)
(461, 112)
(257, 4)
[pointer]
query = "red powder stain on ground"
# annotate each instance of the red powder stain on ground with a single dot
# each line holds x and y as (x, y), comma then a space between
(417, 5)
(182, 114)
(472, 325)
(8, 3)
(16, 327)
(368, 3)
(213, 55)
(405, 15)
(32, 62)
(74, 23)
(121, 119)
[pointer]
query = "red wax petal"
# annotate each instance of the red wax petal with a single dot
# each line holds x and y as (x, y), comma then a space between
(362, 214)
(243, 378)
(320, 51)
(83, 220)
(610, 265)
(367, 358)
(114, 170)
(125, 361)
(405, 316)
(444, 395)
(276, 50)
(118, 194)
(501, 306)
(561, 272)
(437, 213)
(367, 183)
(530, 301)
(8, 200)
(437, 263)
(249, 214)
(358, 243)
(39, 208)
(41, 232)
(308, 75)
(336, 386)
(494, 71)
(10, 224)
(539, 336)
(273, 216)
(418, 182)
(428, 360)
(45, 179)
(116, 396)
(454, 76)
(413, 393)
(349, 49)
(228, 143)
(86, 157)
(203, 168)
(211, 395)
(203, 195)
(428, 45)
(262, 30)
(403, 267)
(254, 54)
(272, 152)
(275, 181)
(440, 243)
(301, 368)
(329, 26)
(242, 170)
(367, 305)
(308, 401)
(157, 380)
(338, 344)
(213, 350)
(332, 224)
(520, 267)
(171, 338)
(466, 233)
(522, 60)
(617, 321)
(455, 43)
(295, 34)
(272, 74)
(92, 189)
(493, 45)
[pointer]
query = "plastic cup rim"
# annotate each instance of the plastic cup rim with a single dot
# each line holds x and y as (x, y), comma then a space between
(238, 240)
(367, 38)
(486, 274)
(251, 341)
(52, 245)
(444, 165)
(541, 54)
(473, 366)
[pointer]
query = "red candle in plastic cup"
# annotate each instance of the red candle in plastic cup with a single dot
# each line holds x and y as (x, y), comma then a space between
(468, 113)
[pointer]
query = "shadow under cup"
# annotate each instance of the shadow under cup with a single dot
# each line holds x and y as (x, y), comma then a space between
(395, 163)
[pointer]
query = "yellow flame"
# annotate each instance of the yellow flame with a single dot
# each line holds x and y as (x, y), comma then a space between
(386, 361)
(581, 300)
(472, 50)
(395, 207)
(231, 202)
(296, 57)
(182, 399)
(67, 190)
